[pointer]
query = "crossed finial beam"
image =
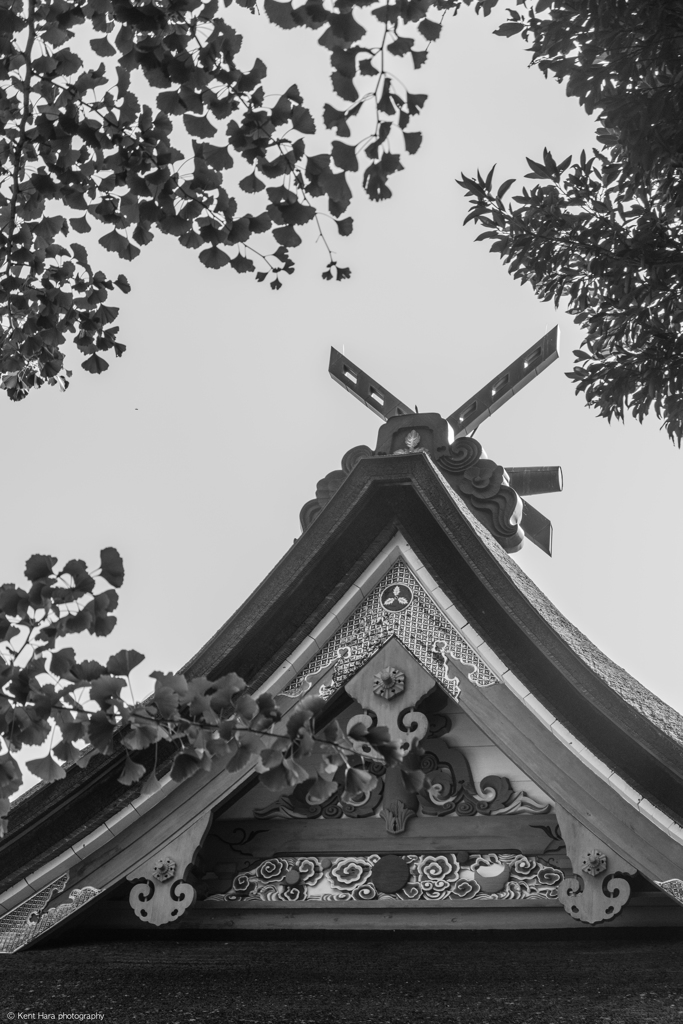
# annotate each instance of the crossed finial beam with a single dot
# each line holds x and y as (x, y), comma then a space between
(365, 389)
(524, 479)
(506, 384)
(476, 409)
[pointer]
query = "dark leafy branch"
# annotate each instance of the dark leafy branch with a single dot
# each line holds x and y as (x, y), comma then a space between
(78, 708)
(605, 234)
(80, 147)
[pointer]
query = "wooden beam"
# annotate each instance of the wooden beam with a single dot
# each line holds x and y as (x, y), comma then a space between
(506, 384)
(535, 479)
(365, 389)
(295, 836)
(644, 910)
(537, 527)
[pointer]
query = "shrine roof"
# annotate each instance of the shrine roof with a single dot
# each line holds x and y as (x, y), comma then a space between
(377, 499)
(616, 717)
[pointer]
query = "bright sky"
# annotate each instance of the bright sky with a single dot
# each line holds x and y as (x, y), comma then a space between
(195, 452)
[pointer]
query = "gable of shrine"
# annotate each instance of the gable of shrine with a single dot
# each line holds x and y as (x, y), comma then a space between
(537, 784)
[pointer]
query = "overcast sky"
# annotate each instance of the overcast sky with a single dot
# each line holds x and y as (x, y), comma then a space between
(195, 452)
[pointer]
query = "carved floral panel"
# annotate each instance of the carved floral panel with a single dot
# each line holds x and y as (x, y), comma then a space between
(430, 877)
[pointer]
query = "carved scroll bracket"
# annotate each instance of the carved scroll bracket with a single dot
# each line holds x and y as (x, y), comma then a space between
(595, 892)
(388, 687)
(164, 896)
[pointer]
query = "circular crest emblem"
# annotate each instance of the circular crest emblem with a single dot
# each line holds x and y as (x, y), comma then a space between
(396, 597)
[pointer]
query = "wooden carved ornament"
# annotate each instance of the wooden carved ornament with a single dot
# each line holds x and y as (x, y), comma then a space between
(595, 892)
(163, 896)
(387, 688)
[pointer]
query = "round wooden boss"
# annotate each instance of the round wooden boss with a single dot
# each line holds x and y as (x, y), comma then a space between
(390, 874)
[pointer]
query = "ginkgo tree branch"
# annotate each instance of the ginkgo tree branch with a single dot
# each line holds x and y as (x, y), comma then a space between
(203, 720)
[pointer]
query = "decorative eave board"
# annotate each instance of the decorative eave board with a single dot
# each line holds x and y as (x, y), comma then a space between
(524, 725)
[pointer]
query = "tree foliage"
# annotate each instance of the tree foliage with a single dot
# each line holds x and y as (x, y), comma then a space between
(79, 706)
(81, 149)
(605, 232)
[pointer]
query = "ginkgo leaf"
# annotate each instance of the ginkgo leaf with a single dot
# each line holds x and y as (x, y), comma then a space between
(80, 224)
(200, 127)
(345, 227)
(170, 103)
(357, 783)
(294, 771)
(151, 785)
(102, 47)
(124, 662)
(275, 779)
(95, 364)
(131, 772)
(246, 707)
(271, 758)
(241, 759)
(118, 243)
(106, 688)
(241, 264)
(301, 120)
(429, 29)
(345, 27)
(279, 13)
(39, 566)
(46, 768)
(101, 732)
(413, 141)
(251, 183)
(344, 156)
(10, 775)
(401, 45)
(66, 751)
(185, 765)
(166, 701)
(287, 236)
(214, 258)
(111, 566)
(344, 87)
(321, 791)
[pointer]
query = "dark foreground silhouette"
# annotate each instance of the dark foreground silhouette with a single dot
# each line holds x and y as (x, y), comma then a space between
(417, 978)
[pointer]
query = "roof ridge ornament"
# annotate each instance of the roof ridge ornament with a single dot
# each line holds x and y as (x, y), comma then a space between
(493, 493)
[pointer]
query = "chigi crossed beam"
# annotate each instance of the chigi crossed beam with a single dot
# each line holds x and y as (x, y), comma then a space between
(465, 420)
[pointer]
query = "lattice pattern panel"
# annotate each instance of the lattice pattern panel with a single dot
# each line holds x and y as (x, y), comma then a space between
(31, 918)
(419, 624)
(674, 888)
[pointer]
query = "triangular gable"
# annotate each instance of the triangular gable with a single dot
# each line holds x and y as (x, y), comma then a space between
(462, 843)
(398, 605)
(601, 811)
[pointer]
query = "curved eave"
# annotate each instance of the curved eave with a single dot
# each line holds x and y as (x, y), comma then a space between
(610, 712)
